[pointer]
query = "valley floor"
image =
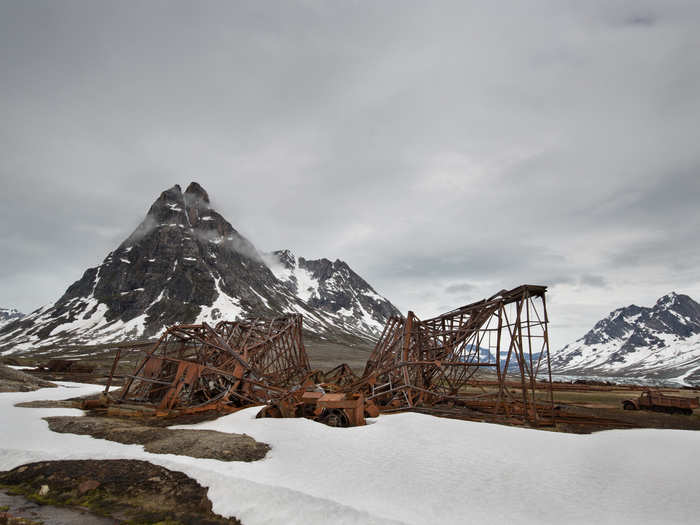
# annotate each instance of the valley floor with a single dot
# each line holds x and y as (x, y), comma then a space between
(404, 468)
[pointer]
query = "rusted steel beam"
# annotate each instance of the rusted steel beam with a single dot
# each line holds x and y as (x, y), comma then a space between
(232, 365)
(436, 361)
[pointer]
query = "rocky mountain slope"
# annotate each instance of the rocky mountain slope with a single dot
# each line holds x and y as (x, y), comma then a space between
(333, 288)
(186, 264)
(7, 315)
(661, 342)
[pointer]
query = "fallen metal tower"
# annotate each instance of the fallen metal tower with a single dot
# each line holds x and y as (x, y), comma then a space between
(196, 367)
(491, 356)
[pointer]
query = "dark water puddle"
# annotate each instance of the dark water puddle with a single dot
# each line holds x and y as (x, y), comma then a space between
(48, 514)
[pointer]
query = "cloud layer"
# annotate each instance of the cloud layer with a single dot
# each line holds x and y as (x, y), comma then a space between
(444, 150)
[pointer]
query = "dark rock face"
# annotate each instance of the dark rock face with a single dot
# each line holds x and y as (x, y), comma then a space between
(612, 327)
(334, 288)
(184, 264)
(619, 340)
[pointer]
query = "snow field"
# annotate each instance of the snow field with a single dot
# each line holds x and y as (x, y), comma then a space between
(406, 468)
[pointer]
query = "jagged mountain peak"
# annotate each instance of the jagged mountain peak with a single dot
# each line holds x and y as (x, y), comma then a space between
(660, 340)
(334, 288)
(191, 213)
(678, 302)
(195, 192)
(669, 300)
(669, 296)
(285, 258)
(186, 263)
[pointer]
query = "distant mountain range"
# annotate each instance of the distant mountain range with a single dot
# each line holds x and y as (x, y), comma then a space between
(333, 288)
(657, 343)
(186, 264)
(7, 315)
(487, 356)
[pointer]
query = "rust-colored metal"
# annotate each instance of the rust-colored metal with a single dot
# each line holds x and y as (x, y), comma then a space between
(658, 402)
(196, 367)
(490, 357)
(340, 377)
(336, 409)
(442, 361)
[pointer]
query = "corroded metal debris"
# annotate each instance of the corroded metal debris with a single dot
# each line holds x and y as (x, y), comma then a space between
(235, 364)
(658, 402)
(439, 361)
(490, 357)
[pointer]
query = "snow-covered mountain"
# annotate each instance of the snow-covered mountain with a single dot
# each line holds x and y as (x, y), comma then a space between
(488, 356)
(333, 288)
(661, 342)
(7, 315)
(186, 264)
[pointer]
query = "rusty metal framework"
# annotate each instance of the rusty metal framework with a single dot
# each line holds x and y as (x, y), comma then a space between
(340, 377)
(490, 357)
(501, 342)
(197, 367)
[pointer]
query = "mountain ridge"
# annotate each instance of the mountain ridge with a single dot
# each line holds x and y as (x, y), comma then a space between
(185, 263)
(658, 342)
(8, 315)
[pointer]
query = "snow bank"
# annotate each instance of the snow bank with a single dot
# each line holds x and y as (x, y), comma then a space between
(407, 468)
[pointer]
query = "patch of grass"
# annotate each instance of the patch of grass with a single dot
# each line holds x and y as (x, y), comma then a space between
(96, 500)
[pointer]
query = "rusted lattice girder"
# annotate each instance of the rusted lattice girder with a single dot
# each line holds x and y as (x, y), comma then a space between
(501, 341)
(197, 367)
(491, 356)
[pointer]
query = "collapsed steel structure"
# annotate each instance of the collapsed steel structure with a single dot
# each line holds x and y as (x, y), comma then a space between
(491, 356)
(421, 363)
(197, 367)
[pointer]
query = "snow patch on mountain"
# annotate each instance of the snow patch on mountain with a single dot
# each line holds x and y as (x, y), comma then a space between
(334, 289)
(223, 308)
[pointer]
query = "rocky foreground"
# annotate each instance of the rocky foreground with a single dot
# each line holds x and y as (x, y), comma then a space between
(162, 440)
(12, 380)
(130, 491)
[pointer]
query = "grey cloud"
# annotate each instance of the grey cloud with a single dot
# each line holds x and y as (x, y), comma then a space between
(596, 281)
(557, 279)
(428, 145)
(237, 244)
(459, 288)
(645, 20)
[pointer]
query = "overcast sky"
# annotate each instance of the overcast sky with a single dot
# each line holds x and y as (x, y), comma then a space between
(445, 150)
